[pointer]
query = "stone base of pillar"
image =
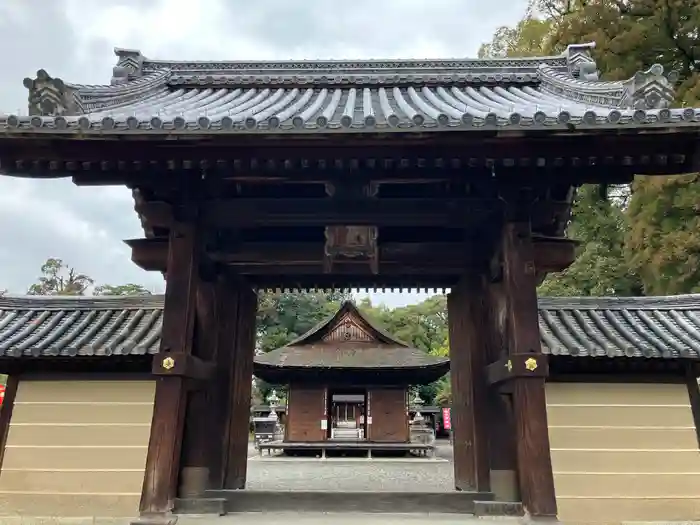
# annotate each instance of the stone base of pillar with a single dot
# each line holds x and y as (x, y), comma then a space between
(194, 481)
(504, 485)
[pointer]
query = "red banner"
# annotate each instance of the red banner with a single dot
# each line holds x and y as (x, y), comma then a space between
(446, 421)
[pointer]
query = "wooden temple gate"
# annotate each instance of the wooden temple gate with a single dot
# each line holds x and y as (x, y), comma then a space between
(360, 181)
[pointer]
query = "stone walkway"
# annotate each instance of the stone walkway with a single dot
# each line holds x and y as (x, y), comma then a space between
(311, 518)
(352, 474)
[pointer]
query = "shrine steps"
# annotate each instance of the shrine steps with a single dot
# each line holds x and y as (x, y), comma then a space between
(234, 501)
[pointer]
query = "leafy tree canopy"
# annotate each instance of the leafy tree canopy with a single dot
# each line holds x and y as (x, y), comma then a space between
(121, 289)
(646, 242)
(59, 279)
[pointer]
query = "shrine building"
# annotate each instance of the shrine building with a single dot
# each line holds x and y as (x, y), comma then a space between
(447, 174)
(348, 380)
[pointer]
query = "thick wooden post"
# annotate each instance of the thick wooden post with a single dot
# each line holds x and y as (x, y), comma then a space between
(242, 351)
(163, 460)
(465, 307)
(227, 318)
(501, 426)
(198, 452)
(530, 412)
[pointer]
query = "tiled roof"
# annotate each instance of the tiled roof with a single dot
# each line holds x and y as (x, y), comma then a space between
(654, 327)
(350, 355)
(377, 348)
(178, 97)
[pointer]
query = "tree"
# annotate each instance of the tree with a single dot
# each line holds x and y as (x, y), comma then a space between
(59, 279)
(530, 37)
(601, 267)
(121, 289)
(625, 249)
(664, 241)
(283, 317)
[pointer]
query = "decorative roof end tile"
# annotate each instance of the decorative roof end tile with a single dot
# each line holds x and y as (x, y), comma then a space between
(51, 96)
(129, 66)
(581, 62)
(649, 89)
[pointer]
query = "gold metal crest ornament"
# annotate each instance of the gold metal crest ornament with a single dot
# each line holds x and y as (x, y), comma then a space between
(509, 365)
(531, 364)
(168, 363)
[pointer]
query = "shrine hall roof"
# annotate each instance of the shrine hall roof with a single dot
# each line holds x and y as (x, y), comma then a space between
(159, 97)
(640, 327)
(348, 339)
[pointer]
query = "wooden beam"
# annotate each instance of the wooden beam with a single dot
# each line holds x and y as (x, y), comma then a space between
(163, 459)
(516, 366)
(552, 254)
(532, 434)
(465, 306)
(181, 364)
(250, 212)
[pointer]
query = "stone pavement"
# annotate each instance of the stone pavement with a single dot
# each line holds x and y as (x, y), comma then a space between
(311, 518)
(353, 474)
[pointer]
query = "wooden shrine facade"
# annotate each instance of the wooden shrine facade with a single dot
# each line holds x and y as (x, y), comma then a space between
(348, 380)
(250, 176)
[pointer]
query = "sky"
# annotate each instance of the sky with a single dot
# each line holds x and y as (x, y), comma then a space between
(74, 40)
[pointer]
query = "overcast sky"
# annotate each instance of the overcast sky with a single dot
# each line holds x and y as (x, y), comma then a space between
(74, 40)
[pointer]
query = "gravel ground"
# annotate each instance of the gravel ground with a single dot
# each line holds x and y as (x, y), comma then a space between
(382, 474)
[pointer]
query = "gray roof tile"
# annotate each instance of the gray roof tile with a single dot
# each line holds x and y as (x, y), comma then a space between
(653, 327)
(179, 97)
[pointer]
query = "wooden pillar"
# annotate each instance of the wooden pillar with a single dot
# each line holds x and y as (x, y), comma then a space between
(530, 413)
(199, 445)
(465, 307)
(501, 425)
(6, 412)
(240, 347)
(163, 460)
(691, 378)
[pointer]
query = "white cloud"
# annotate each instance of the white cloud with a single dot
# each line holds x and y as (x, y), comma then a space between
(74, 39)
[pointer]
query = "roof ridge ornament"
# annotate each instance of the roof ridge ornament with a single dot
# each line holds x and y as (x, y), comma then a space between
(649, 89)
(50, 96)
(129, 65)
(581, 63)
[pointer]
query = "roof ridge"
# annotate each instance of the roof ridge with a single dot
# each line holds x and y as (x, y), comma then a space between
(666, 302)
(347, 306)
(80, 302)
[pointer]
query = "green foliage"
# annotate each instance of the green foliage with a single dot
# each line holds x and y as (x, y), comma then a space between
(283, 317)
(649, 242)
(600, 268)
(664, 241)
(121, 289)
(422, 325)
(530, 37)
(59, 279)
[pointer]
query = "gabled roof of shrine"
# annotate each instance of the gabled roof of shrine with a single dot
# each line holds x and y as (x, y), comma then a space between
(639, 327)
(348, 340)
(161, 97)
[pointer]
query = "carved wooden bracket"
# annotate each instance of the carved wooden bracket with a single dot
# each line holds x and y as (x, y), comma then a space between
(351, 244)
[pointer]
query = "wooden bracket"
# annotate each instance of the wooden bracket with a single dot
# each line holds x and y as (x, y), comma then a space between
(516, 366)
(181, 365)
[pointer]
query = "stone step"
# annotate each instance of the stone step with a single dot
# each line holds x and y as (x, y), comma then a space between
(220, 502)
